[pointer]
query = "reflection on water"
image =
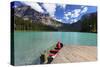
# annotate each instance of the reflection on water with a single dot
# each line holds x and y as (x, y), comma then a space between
(29, 45)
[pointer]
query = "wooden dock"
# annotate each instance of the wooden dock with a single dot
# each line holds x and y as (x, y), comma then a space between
(70, 54)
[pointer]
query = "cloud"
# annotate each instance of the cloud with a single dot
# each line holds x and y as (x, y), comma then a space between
(34, 5)
(66, 18)
(50, 8)
(71, 21)
(59, 20)
(75, 13)
(67, 14)
(75, 20)
(72, 16)
(62, 5)
(84, 10)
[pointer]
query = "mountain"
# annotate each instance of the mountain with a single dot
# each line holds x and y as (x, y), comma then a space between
(28, 15)
(89, 22)
(27, 18)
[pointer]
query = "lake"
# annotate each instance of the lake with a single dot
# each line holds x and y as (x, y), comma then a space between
(29, 45)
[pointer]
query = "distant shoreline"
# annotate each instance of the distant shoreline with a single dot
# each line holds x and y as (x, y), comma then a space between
(51, 31)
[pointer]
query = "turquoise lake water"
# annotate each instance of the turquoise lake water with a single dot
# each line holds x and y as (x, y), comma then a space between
(29, 45)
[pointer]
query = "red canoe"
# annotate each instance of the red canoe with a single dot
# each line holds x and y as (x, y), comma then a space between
(51, 54)
(54, 50)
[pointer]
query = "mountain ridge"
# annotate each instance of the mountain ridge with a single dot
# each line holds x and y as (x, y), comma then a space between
(36, 19)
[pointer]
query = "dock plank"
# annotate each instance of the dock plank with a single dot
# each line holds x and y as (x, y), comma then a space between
(69, 54)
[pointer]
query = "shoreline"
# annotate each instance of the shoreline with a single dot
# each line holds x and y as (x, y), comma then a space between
(76, 53)
(52, 31)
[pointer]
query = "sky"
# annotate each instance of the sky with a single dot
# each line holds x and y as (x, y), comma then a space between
(65, 13)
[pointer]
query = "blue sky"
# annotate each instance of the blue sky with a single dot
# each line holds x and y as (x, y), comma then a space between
(64, 13)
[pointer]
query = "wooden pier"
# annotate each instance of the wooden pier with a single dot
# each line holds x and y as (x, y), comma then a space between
(70, 54)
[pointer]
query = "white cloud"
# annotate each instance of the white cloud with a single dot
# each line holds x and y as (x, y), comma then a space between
(71, 21)
(77, 10)
(51, 8)
(60, 20)
(34, 5)
(75, 20)
(84, 10)
(57, 19)
(67, 14)
(62, 5)
(73, 14)
(66, 18)
(76, 13)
